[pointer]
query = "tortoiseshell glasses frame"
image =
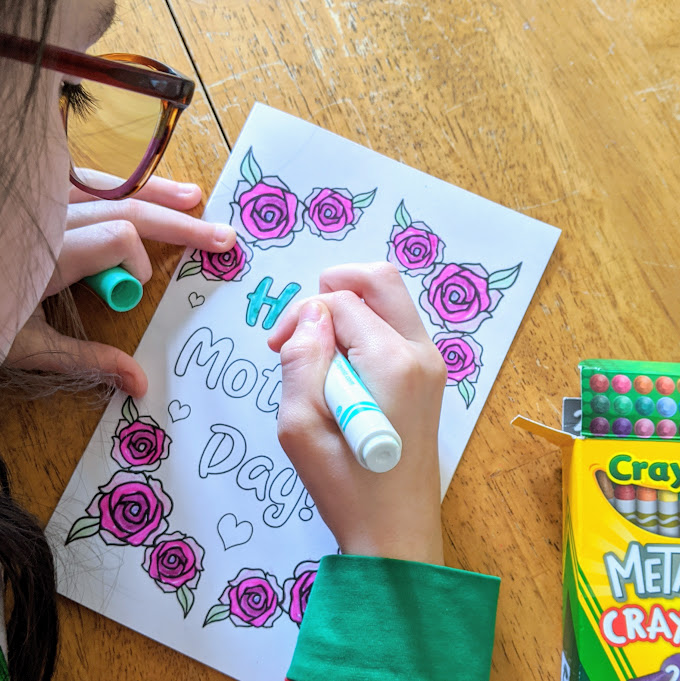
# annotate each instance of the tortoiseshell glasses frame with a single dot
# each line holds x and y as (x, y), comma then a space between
(126, 71)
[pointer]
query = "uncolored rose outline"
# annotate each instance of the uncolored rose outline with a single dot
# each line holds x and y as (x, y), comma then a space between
(131, 440)
(414, 250)
(458, 297)
(122, 492)
(158, 569)
(273, 195)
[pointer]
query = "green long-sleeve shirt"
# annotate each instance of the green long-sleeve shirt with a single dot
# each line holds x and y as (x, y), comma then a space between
(375, 619)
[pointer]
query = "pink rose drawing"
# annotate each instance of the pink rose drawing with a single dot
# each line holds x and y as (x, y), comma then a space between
(413, 247)
(461, 297)
(296, 590)
(139, 443)
(463, 358)
(333, 213)
(175, 563)
(252, 599)
(265, 211)
(131, 508)
(230, 266)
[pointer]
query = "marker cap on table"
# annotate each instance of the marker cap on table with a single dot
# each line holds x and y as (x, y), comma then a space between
(117, 288)
(368, 432)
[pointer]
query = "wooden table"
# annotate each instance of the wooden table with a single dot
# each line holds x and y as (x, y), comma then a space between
(566, 111)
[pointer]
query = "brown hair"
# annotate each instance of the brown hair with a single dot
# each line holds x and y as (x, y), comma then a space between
(25, 555)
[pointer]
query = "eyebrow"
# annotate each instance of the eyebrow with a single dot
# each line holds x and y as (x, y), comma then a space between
(105, 18)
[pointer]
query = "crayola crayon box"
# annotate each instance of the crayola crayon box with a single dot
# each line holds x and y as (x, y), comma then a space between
(621, 529)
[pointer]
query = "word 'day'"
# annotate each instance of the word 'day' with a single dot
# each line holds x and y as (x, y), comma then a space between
(283, 491)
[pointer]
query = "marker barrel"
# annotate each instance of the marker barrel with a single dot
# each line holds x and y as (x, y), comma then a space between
(369, 434)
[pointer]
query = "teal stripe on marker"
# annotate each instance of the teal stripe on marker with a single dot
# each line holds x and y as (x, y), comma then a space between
(356, 411)
(347, 411)
(345, 414)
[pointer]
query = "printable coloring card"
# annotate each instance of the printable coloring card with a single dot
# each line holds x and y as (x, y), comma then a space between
(184, 520)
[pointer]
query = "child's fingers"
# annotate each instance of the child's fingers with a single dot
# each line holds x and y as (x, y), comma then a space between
(287, 324)
(168, 193)
(384, 291)
(92, 249)
(360, 327)
(155, 222)
(40, 347)
(378, 284)
(305, 358)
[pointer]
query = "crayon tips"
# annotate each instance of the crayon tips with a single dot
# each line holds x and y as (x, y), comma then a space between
(657, 511)
(669, 514)
(646, 509)
(606, 485)
(624, 501)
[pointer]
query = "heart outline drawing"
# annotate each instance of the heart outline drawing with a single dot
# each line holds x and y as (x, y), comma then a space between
(195, 300)
(232, 532)
(178, 411)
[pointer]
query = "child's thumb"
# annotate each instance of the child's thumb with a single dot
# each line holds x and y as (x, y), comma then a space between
(306, 356)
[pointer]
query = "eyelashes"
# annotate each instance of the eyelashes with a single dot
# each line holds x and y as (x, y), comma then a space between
(81, 102)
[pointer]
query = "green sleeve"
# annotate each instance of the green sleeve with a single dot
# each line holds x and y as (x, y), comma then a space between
(4, 673)
(375, 619)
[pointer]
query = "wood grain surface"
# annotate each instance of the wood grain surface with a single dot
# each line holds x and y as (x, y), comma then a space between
(567, 112)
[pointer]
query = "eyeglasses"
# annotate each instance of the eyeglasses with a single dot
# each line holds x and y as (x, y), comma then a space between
(119, 115)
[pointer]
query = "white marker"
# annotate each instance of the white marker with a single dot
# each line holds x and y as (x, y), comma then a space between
(375, 443)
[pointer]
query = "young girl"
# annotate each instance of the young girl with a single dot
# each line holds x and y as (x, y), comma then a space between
(386, 608)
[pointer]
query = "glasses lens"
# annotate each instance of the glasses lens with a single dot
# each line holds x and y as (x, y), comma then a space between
(109, 130)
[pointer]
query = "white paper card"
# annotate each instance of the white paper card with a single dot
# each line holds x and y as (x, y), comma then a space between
(184, 519)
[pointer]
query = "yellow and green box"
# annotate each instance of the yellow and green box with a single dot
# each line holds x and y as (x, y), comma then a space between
(621, 583)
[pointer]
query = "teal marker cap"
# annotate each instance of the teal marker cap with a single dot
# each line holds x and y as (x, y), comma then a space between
(117, 288)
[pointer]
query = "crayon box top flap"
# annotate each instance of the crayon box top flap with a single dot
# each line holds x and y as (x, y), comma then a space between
(554, 435)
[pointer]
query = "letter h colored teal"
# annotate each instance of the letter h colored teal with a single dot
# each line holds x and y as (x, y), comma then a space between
(260, 297)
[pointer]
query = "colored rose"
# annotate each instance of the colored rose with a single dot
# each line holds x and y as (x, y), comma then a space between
(330, 213)
(415, 249)
(174, 561)
(230, 266)
(268, 212)
(140, 445)
(131, 508)
(457, 297)
(297, 589)
(254, 599)
(462, 356)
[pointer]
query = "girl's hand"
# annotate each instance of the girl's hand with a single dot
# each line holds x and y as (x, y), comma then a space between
(103, 234)
(367, 312)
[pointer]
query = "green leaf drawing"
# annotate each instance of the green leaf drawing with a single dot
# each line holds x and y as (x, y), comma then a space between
(217, 613)
(401, 216)
(130, 413)
(185, 596)
(504, 278)
(83, 527)
(250, 170)
(467, 391)
(364, 200)
(189, 269)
